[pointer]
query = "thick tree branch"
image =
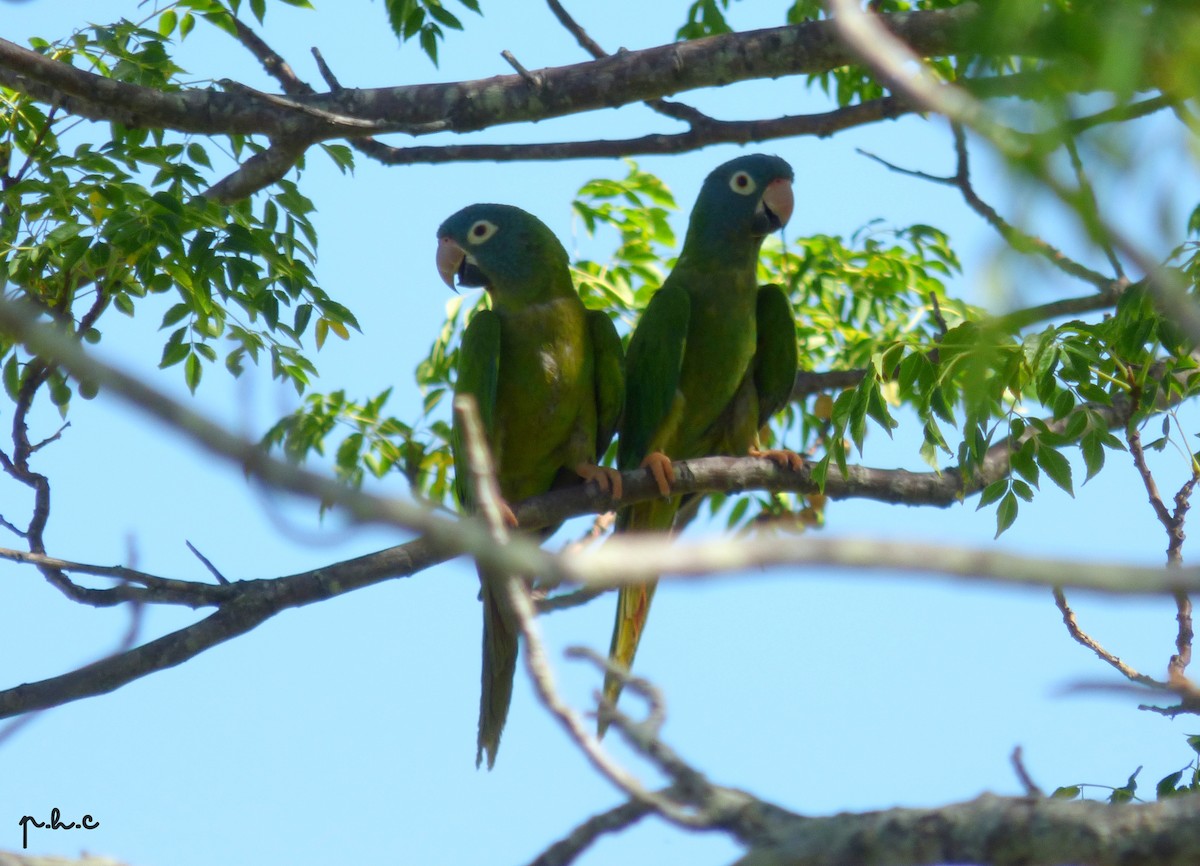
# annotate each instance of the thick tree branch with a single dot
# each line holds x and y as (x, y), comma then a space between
(988, 831)
(631, 76)
(250, 604)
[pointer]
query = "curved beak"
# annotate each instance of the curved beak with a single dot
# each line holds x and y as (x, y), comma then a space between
(449, 259)
(778, 199)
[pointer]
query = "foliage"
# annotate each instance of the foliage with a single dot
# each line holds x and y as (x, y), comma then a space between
(111, 220)
(1170, 785)
(424, 19)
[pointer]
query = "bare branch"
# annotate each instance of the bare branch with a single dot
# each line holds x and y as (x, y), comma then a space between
(1085, 639)
(221, 579)
(677, 110)
(988, 830)
(566, 850)
(259, 171)
(712, 132)
(1016, 238)
(1031, 787)
(1101, 300)
(629, 559)
(157, 590)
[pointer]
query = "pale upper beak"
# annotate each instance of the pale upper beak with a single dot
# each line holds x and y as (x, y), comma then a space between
(778, 197)
(449, 259)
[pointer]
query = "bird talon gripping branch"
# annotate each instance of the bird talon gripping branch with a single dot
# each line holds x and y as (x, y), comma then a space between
(782, 457)
(661, 468)
(606, 478)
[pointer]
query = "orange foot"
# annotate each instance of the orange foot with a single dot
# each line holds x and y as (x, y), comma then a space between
(506, 514)
(660, 467)
(781, 456)
(608, 480)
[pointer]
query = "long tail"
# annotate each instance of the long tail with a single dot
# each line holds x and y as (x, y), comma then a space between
(499, 666)
(633, 601)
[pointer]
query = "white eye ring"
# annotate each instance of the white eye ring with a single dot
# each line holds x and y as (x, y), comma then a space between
(742, 183)
(481, 231)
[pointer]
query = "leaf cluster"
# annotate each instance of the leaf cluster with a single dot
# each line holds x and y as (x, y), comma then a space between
(424, 20)
(1171, 785)
(108, 217)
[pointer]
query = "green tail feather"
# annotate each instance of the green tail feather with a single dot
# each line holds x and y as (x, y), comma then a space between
(500, 638)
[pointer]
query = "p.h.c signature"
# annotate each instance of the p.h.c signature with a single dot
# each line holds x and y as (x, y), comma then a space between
(87, 822)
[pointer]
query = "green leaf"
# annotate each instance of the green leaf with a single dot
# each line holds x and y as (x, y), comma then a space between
(175, 315)
(12, 376)
(192, 371)
(197, 154)
(1126, 793)
(1006, 513)
(1093, 455)
(1070, 792)
(992, 492)
(173, 353)
(1022, 489)
(1055, 465)
(166, 23)
(739, 511)
(1168, 785)
(1023, 463)
(443, 16)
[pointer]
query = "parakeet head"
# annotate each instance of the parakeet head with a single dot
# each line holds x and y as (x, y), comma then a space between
(743, 200)
(502, 248)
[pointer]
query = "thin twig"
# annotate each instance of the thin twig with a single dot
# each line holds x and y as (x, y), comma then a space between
(677, 110)
(1089, 195)
(532, 78)
(1084, 639)
(566, 850)
(207, 564)
(1134, 438)
(1031, 787)
(158, 590)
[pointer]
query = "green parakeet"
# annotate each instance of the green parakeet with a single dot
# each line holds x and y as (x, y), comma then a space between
(712, 359)
(547, 375)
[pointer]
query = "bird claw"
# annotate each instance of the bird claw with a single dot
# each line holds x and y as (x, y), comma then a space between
(782, 457)
(607, 479)
(506, 514)
(660, 467)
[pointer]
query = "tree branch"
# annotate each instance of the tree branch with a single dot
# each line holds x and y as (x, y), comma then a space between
(245, 604)
(631, 76)
(989, 831)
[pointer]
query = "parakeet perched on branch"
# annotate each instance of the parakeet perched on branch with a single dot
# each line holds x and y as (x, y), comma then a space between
(712, 359)
(547, 375)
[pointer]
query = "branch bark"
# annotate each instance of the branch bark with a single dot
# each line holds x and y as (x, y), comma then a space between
(989, 831)
(631, 76)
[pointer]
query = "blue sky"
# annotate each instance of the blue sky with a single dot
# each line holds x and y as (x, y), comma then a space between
(347, 730)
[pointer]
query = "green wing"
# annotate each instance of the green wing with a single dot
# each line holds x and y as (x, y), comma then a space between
(610, 378)
(652, 372)
(478, 371)
(777, 357)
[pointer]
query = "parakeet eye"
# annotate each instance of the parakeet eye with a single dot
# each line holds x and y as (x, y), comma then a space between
(742, 183)
(481, 231)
